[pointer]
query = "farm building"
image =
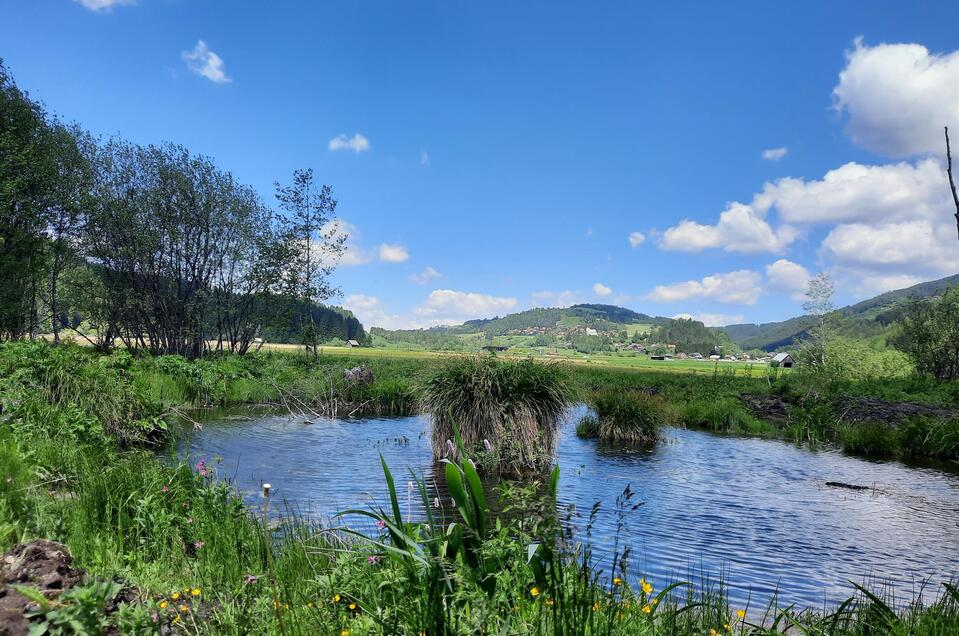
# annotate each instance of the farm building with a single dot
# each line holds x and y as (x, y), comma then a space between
(784, 360)
(352, 343)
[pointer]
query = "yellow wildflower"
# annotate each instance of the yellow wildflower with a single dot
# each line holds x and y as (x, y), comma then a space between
(534, 592)
(352, 606)
(175, 596)
(336, 598)
(596, 606)
(713, 632)
(163, 604)
(647, 609)
(647, 587)
(549, 601)
(176, 619)
(617, 581)
(195, 591)
(725, 625)
(345, 632)
(184, 609)
(741, 613)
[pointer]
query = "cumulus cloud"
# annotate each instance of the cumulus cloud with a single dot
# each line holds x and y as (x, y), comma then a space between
(425, 276)
(775, 154)
(601, 290)
(741, 228)
(393, 253)
(104, 5)
(563, 298)
(451, 304)
(636, 239)
(857, 192)
(712, 320)
(205, 63)
(788, 277)
(898, 97)
(372, 313)
(741, 287)
(357, 143)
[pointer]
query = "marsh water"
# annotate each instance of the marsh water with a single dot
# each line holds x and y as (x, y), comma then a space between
(757, 511)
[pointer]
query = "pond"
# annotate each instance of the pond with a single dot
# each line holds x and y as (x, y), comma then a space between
(757, 511)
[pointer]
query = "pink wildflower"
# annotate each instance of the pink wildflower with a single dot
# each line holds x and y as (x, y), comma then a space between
(380, 524)
(372, 560)
(165, 488)
(198, 544)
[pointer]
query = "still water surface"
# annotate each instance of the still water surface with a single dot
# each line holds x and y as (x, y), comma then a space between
(756, 510)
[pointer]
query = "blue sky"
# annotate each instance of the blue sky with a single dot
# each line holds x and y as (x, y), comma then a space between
(490, 157)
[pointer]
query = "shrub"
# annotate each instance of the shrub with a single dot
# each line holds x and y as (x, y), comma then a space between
(505, 410)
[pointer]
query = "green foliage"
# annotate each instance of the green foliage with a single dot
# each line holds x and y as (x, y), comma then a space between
(726, 415)
(633, 417)
(506, 410)
(929, 334)
(79, 610)
(689, 336)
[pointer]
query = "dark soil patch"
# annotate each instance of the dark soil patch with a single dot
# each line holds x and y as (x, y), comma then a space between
(864, 409)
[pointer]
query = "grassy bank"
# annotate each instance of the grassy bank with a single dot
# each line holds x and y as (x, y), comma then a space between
(196, 560)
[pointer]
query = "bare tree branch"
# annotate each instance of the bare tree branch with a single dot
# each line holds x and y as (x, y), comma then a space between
(952, 182)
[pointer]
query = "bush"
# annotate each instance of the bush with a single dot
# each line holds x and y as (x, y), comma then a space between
(506, 411)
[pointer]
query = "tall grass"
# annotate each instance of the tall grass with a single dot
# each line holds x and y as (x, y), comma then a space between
(633, 417)
(506, 411)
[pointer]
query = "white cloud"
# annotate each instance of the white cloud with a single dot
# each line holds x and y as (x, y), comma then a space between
(563, 298)
(601, 290)
(736, 288)
(204, 62)
(353, 254)
(104, 5)
(357, 143)
(741, 228)
(393, 253)
(898, 97)
(425, 276)
(775, 154)
(713, 320)
(857, 192)
(450, 304)
(371, 312)
(425, 159)
(636, 239)
(788, 277)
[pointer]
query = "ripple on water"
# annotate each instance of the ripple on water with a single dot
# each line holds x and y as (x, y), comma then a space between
(756, 511)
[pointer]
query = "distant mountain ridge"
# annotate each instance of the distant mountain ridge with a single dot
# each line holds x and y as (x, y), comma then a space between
(865, 318)
(861, 320)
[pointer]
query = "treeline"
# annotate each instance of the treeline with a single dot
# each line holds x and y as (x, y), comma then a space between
(152, 246)
(689, 336)
(436, 339)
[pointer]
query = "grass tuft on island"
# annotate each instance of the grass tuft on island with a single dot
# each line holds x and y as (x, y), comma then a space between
(505, 411)
(630, 417)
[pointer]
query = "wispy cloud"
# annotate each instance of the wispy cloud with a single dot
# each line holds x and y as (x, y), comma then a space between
(636, 239)
(775, 154)
(425, 159)
(103, 6)
(205, 63)
(425, 276)
(357, 143)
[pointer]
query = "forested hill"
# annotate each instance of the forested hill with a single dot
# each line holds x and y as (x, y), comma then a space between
(866, 318)
(597, 316)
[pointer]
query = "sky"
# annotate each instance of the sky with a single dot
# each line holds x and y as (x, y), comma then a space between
(695, 159)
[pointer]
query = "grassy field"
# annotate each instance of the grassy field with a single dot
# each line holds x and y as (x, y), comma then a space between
(194, 560)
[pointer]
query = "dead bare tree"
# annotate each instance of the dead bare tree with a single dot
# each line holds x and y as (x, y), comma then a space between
(952, 182)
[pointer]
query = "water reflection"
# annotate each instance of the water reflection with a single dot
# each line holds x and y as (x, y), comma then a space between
(758, 510)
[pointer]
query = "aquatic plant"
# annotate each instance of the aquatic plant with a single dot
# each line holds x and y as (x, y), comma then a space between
(626, 416)
(514, 405)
